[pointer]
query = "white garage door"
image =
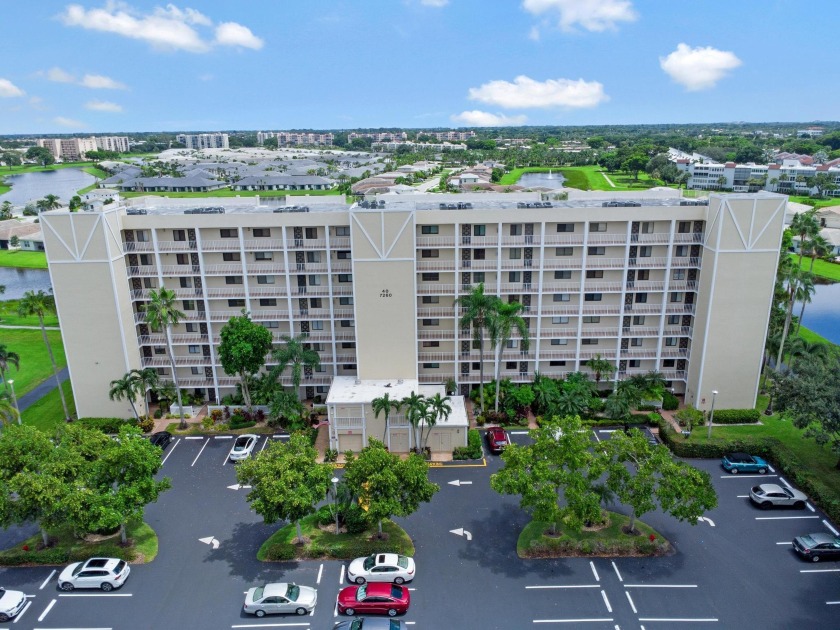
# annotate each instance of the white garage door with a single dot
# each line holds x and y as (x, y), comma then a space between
(348, 442)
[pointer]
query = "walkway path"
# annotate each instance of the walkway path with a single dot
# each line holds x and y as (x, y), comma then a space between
(30, 327)
(609, 181)
(33, 396)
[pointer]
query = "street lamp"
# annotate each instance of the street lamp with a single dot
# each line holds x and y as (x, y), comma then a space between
(711, 414)
(14, 398)
(335, 501)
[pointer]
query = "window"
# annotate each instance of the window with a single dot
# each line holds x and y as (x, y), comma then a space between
(641, 298)
(684, 227)
(263, 256)
(515, 253)
(480, 254)
(322, 389)
(349, 366)
(677, 296)
(431, 344)
(345, 301)
(634, 363)
(647, 227)
(563, 251)
(669, 363)
(347, 323)
(431, 366)
(268, 301)
(429, 229)
(431, 299)
(265, 279)
(557, 363)
(195, 349)
(186, 283)
(679, 274)
(673, 320)
(430, 277)
(233, 279)
(514, 276)
(562, 275)
(189, 305)
(478, 276)
(192, 328)
(236, 303)
(146, 259)
(636, 342)
(597, 227)
(638, 320)
(348, 345)
(591, 319)
(229, 233)
(516, 229)
(271, 324)
(645, 252)
(475, 365)
(184, 259)
(342, 230)
(559, 342)
(311, 232)
(151, 283)
(160, 350)
(592, 297)
(345, 277)
(262, 232)
(670, 341)
(479, 230)
(195, 371)
(317, 325)
(596, 251)
(229, 257)
(179, 235)
(315, 303)
(559, 320)
(431, 322)
(429, 253)
(313, 257)
(162, 372)
(681, 251)
(315, 281)
(343, 255)
(643, 274)
(561, 297)
(565, 227)
(589, 342)
(142, 236)
(511, 365)
(595, 273)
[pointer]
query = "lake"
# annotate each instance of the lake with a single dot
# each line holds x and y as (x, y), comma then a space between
(19, 281)
(63, 182)
(546, 180)
(822, 315)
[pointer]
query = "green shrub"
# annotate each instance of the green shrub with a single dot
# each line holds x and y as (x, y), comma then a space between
(473, 448)
(689, 417)
(633, 420)
(670, 402)
(280, 552)
(243, 424)
(106, 425)
(737, 416)
(146, 424)
(19, 557)
(355, 519)
(330, 455)
(158, 413)
(596, 404)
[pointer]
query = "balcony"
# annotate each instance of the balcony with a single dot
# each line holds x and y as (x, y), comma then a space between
(163, 361)
(436, 312)
(604, 353)
(221, 245)
(521, 240)
(181, 293)
(233, 269)
(347, 423)
(305, 243)
(176, 246)
(647, 262)
(550, 353)
(602, 238)
(436, 378)
(478, 265)
(339, 242)
(645, 285)
(430, 264)
(684, 261)
(178, 338)
(592, 286)
(144, 271)
(693, 237)
(555, 333)
(142, 246)
(564, 239)
(437, 334)
(435, 289)
(257, 315)
(435, 241)
(263, 245)
(683, 285)
(307, 267)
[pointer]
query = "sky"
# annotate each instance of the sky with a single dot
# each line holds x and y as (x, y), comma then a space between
(100, 66)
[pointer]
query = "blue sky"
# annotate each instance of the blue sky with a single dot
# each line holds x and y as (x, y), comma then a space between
(110, 66)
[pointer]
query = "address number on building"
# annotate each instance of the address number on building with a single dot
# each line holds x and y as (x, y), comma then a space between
(385, 293)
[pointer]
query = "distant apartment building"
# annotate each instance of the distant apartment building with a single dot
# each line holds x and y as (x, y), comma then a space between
(383, 136)
(451, 136)
(198, 141)
(112, 143)
(791, 177)
(430, 146)
(75, 149)
(812, 132)
(293, 138)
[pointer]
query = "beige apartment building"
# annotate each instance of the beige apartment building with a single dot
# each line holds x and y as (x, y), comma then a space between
(75, 149)
(647, 280)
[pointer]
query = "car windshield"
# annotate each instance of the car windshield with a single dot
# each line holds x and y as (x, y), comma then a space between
(78, 569)
(369, 562)
(361, 592)
(808, 540)
(293, 592)
(402, 561)
(241, 442)
(356, 624)
(258, 593)
(396, 592)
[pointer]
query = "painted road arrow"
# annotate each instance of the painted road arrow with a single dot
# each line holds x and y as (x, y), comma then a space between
(458, 482)
(707, 519)
(210, 541)
(236, 486)
(461, 532)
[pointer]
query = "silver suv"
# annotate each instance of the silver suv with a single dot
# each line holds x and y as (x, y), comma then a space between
(769, 495)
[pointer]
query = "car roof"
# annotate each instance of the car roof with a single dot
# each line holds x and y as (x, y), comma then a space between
(386, 558)
(497, 430)
(739, 457)
(379, 588)
(101, 563)
(821, 538)
(771, 487)
(275, 588)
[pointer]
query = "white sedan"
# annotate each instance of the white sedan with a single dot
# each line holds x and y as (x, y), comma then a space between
(381, 567)
(243, 446)
(280, 598)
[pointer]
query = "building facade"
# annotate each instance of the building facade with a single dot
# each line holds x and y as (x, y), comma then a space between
(645, 280)
(198, 141)
(293, 138)
(75, 149)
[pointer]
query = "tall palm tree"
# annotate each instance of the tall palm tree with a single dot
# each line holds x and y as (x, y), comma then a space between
(39, 304)
(793, 277)
(385, 404)
(806, 291)
(439, 408)
(148, 380)
(7, 358)
(817, 247)
(51, 202)
(806, 226)
(501, 324)
(799, 348)
(161, 314)
(416, 409)
(128, 388)
(477, 308)
(296, 354)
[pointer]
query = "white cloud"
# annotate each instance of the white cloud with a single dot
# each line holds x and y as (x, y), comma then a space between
(698, 68)
(60, 76)
(101, 82)
(434, 3)
(593, 15)
(476, 118)
(525, 92)
(9, 89)
(104, 106)
(233, 34)
(69, 122)
(168, 28)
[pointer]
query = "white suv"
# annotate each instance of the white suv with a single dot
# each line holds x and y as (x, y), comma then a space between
(104, 573)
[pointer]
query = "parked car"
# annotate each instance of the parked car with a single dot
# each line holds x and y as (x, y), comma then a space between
(381, 567)
(769, 495)
(280, 597)
(243, 446)
(104, 573)
(497, 439)
(376, 597)
(11, 603)
(370, 623)
(743, 462)
(161, 438)
(816, 547)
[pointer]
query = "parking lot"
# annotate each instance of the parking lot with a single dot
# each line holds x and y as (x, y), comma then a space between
(736, 569)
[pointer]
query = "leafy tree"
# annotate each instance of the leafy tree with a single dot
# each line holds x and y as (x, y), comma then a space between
(634, 164)
(823, 182)
(504, 319)
(161, 314)
(295, 353)
(6, 210)
(286, 480)
(7, 358)
(14, 241)
(128, 388)
(40, 154)
(555, 475)
(644, 476)
(286, 404)
(39, 304)
(384, 404)
(10, 159)
(387, 485)
(477, 308)
(75, 203)
(242, 349)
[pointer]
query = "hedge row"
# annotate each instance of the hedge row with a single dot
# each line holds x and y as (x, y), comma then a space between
(106, 425)
(737, 416)
(771, 449)
(61, 555)
(631, 546)
(473, 448)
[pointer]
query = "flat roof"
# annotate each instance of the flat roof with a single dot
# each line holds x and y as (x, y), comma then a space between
(350, 390)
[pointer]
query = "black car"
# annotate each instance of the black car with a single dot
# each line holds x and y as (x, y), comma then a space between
(161, 438)
(816, 547)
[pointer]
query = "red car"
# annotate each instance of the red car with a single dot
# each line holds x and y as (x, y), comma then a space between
(374, 597)
(497, 439)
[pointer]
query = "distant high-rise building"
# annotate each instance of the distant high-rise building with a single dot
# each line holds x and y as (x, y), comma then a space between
(197, 141)
(74, 149)
(295, 138)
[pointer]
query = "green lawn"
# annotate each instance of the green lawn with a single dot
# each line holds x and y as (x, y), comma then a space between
(47, 413)
(9, 316)
(817, 203)
(822, 268)
(35, 364)
(227, 192)
(23, 259)
(586, 178)
(811, 337)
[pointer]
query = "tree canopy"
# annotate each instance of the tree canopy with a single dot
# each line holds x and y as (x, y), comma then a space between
(243, 348)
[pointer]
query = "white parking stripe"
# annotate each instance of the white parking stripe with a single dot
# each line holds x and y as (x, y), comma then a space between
(632, 605)
(781, 518)
(47, 610)
(47, 581)
(660, 586)
(264, 443)
(519, 433)
(96, 595)
(194, 437)
(572, 620)
(784, 481)
(341, 579)
(743, 496)
(784, 543)
(223, 437)
(21, 613)
(819, 570)
(606, 601)
(712, 619)
(320, 573)
(772, 470)
(564, 586)
(832, 603)
(170, 451)
(827, 524)
(200, 452)
(595, 573)
(809, 506)
(272, 625)
(617, 573)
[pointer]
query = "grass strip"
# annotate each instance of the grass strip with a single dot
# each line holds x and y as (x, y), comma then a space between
(23, 259)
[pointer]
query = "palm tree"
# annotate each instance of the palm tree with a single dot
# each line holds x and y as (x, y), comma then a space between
(295, 353)
(806, 226)
(128, 388)
(545, 393)
(795, 277)
(51, 202)
(416, 409)
(804, 294)
(161, 314)
(439, 408)
(8, 411)
(817, 247)
(502, 322)
(617, 405)
(572, 399)
(478, 307)
(384, 404)
(147, 379)
(39, 304)
(600, 366)
(7, 358)
(799, 348)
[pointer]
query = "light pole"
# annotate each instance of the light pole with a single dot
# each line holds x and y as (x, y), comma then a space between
(711, 414)
(335, 502)
(14, 398)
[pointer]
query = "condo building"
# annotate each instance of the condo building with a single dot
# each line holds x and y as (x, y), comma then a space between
(198, 141)
(648, 281)
(75, 149)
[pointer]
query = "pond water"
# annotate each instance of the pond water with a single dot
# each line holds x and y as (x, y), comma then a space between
(546, 180)
(19, 281)
(63, 182)
(822, 314)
